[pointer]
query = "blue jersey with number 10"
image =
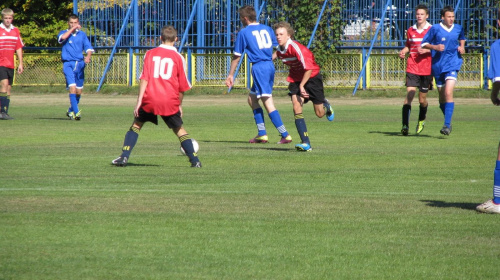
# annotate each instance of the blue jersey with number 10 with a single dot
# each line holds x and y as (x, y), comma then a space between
(258, 40)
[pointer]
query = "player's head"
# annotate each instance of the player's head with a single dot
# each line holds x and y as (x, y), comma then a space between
(421, 13)
(7, 17)
(448, 16)
(73, 20)
(284, 31)
(247, 13)
(168, 34)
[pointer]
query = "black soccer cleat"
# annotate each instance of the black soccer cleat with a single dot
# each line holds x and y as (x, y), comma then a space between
(120, 161)
(445, 130)
(404, 130)
(196, 164)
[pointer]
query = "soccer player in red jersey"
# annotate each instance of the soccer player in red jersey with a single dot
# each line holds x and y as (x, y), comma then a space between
(162, 87)
(306, 82)
(10, 43)
(418, 69)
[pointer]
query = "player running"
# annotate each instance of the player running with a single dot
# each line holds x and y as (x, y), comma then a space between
(493, 205)
(258, 41)
(447, 41)
(418, 69)
(161, 90)
(306, 82)
(10, 43)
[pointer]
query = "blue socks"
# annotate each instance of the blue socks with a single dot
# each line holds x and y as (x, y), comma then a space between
(74, 103)
(300, 123)
(130, 141)
(258, 115)
(496, 184)
(448, 113)
(276, 119)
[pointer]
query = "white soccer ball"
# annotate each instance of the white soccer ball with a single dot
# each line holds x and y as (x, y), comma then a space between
(196, 147)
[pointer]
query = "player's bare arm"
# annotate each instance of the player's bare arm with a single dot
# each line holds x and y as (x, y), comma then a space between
(234, 64)
(494, 94)
(305, 78)
(87, 58)
(403, 52)
(19, 53)
(461, 48)
(142, 89)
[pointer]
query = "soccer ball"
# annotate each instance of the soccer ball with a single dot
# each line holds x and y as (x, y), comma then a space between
(196, 147)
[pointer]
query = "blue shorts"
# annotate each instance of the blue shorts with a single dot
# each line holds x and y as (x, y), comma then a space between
(441, 78)
(263, 79)
(74, 73)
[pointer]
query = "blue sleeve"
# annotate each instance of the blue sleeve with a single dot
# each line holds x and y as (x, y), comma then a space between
(239, 45)
(428, 36)
(494, 69)
(59, 36)
(461, 36)
(86, 43)
(273, 38)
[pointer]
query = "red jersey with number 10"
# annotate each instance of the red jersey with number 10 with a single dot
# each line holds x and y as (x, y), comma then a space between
(299, 58)
(10, 41)
(418, 64)
(164, 69)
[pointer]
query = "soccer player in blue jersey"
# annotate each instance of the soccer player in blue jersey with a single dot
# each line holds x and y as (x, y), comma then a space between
(258, 41)
(447, 42)
(493, 205)
(74, 42)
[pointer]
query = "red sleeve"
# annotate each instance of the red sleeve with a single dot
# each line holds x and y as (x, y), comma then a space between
(145, 68)
(19, 43)
(184, 84)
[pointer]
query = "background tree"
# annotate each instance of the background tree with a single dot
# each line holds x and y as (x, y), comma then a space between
(39, 20)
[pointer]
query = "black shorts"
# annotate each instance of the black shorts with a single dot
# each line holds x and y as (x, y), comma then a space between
(314, 87)
(172, 121)
(7, 73)
(423, 83)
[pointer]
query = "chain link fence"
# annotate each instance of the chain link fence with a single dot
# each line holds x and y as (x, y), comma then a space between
(341, 71)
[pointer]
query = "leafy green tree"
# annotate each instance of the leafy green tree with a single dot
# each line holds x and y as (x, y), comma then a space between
(39, 20)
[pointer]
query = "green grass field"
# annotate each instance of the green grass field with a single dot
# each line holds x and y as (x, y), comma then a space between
(366, 203)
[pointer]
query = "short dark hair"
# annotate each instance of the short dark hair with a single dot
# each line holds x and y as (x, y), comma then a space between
(422, 7)
(447, 9)
(73, 16)
(168, 33)
(249, 12)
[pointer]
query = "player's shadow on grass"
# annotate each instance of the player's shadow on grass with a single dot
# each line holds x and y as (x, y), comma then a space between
(130, 164)
(398, 134)
(55, 119)
(444, 204)
(225, 141)
(262, 147)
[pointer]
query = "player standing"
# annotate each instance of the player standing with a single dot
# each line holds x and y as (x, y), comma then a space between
(418, 69)
(447, 41)
(258, 41)
(74, 42)
(493, 205)
(161, 90)
(306, 82)
(10, 43)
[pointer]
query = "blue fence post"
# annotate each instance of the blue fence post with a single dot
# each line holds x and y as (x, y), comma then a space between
(189, 65)
(317, 23)
(485, 67)
(75, 7)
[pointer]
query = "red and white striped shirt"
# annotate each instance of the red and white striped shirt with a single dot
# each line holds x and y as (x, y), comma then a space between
(418, 64)
(299, 58)
(10, 41)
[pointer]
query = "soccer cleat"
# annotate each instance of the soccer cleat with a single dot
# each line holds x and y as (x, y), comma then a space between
(404, 130)
(259, 139)
(445, 130)
(285, 140)
(120, 161)
(5, 116)
(78, 115)
(71, 115)
(303, 147)
(489, 207)
(330, 115)
(420, 126)
(196, 164)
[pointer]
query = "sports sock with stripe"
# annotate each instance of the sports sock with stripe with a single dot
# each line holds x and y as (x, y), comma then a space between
(130, 140)
(300, 123)
(276, 119)
(188, 147)
(3, 102)
(258, 115)
(496, 184)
